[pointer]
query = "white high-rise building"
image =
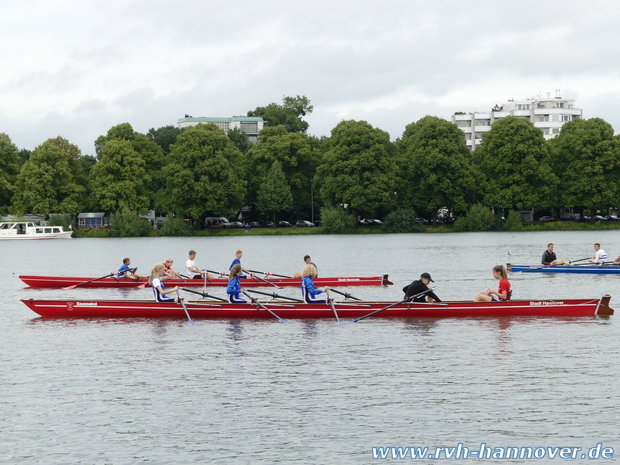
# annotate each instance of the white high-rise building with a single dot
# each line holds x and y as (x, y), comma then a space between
(547, 113)
(251, 125)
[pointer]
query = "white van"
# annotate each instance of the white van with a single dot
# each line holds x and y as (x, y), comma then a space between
(216, 222)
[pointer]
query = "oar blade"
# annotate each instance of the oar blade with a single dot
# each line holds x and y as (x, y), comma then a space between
(89, 281)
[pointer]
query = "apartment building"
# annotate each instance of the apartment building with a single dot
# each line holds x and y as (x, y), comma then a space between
(547, 113)
(251, 125)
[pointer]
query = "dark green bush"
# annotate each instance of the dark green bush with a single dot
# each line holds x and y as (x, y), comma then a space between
(336, 220)
(65, 220)
(478, 218)
(128, 224)
(402, 220)
(176, 226)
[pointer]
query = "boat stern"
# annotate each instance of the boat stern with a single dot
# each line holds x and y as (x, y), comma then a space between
(603, 306)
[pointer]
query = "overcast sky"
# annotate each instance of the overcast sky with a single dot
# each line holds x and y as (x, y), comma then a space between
(75, 68)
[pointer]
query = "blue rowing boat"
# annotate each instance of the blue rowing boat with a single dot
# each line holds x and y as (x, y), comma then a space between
(590, 268)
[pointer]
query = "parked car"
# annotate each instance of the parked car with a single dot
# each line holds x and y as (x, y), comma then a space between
(546, 219)
(284, 224)
(369, 222)
(304, 224)
(268, 224)
(421, 221)
(237, 224)
(600, 218)
(254, 224)
(611, 217)
(216, 222)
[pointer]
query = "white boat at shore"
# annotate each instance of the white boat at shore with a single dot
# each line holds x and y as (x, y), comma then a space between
(26, 230)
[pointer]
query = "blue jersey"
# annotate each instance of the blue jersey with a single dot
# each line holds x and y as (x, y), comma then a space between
(309, 292)
(122, 270)
(234, 286)
(234, 289)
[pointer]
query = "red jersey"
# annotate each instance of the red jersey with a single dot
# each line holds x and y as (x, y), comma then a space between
(504, 285)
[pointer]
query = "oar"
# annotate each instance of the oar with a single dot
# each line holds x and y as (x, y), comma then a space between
(265, 281)
(182, 302)
(565, 263)
(266, 273)
(216, 272)
(595, 264)
(274, 295)
(253, 276)
(260, 305)
(90, 281)
(331, 304)
(203, 294)
(389, 306)
(345, 294)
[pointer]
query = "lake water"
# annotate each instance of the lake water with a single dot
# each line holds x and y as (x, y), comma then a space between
(309, 392)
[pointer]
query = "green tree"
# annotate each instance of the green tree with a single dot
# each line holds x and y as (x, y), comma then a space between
(402, 220)
(240, 139)
(74, 156)
(289, 114)
(515, 160)
(586, 159)
(120, 181)
(128, 224)
(24, 155)
(47, 184)
(204, 174)
(435, 167)
(149, 151)
(164, 137)
(274, 194)
(358, 168)
(10, 164)
(478, 218)
(297, 155)
(336, 220)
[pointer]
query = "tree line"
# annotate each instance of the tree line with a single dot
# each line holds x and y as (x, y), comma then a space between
(202, 171)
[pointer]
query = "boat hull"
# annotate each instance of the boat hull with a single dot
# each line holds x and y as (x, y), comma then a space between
(345, 310)
(63, 281)
(585, 269)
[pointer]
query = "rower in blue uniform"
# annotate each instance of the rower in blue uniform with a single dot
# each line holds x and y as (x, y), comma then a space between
(308, 291)
(234, 285)
(159, 289)
(237, 261)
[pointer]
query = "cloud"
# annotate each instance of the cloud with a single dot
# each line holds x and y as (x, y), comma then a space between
(76, 69)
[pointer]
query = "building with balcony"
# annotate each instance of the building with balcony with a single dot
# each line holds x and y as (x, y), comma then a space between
(546, 113)
(251, 125)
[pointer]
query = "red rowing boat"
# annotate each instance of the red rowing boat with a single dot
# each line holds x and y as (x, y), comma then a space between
(293, 310)
(66, 281)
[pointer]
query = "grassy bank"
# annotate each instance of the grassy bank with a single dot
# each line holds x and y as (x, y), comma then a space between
(556, 226)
